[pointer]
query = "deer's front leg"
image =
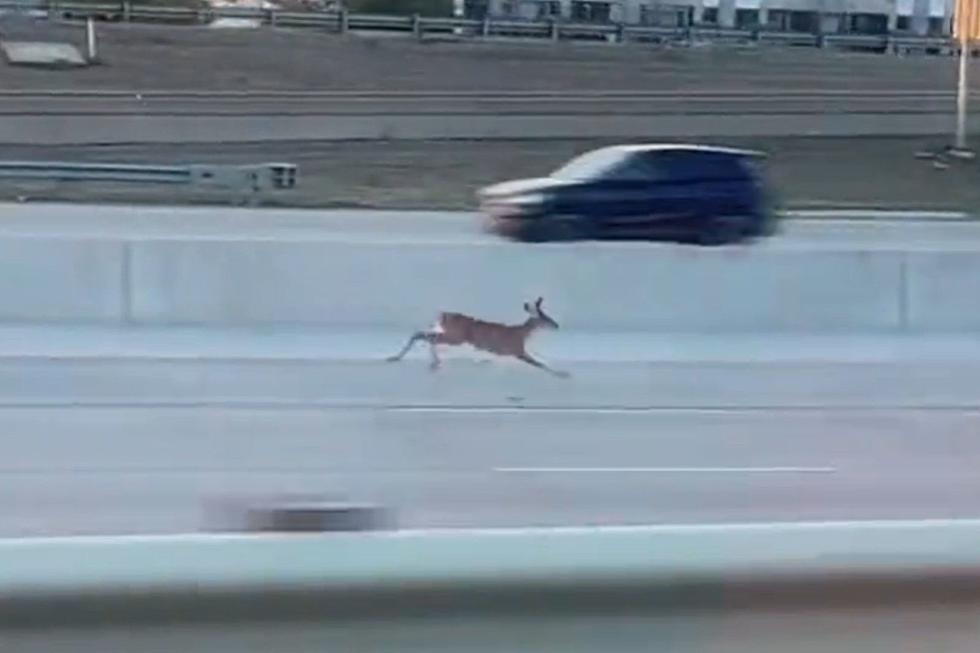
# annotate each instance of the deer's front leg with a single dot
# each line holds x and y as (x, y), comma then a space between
(527, 358)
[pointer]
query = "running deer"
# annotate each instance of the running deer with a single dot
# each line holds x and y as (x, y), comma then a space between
(493, 337)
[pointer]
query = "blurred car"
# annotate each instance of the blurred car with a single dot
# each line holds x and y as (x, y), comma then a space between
(684, 193)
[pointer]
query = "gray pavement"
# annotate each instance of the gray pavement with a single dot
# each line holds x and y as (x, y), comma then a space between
(135, 117)
(841, 229)
(126, 470)
(114, 432)
(122, 129)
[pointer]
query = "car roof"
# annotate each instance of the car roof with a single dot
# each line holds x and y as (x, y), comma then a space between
(682, 147)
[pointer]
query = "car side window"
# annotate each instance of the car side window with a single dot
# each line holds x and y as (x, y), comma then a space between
(637, 167)
(691, 166)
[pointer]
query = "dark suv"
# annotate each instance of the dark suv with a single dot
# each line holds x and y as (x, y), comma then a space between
(686, 193)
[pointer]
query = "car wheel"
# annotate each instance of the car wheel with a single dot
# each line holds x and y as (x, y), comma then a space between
(722, 231)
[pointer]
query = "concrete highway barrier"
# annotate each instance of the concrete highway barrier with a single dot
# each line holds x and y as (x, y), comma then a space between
(61, 280)
(588, 287)
(435, 574)
(359, 279)
(942, 290)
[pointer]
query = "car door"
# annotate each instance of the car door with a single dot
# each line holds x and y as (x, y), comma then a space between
(615, 195)
(623, 199)
(696, 186)
(660, 206)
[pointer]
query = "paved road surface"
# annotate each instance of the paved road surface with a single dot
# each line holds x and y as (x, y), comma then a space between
(115, 129)
(97, 470)
(175, 117)
(828, 229)
(591, 103)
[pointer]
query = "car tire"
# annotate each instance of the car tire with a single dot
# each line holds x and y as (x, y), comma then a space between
(722, 231)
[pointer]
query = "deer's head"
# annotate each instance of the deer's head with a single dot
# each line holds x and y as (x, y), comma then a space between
(538, 317)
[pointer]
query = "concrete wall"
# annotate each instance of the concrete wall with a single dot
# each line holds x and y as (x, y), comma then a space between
(593, 288)
(611, 287)
(944, 291)
(61, 280)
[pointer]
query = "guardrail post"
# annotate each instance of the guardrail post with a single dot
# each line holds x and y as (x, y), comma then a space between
(417, 26)
(555, 30)
(344, 19)
(485, 27)
(93, 54)
(127, 10)
(273, 20)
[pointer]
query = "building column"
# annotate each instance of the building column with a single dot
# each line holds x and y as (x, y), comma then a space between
(697, 12)
(566, 9)
(627, 13)
(920, 17)
(726, 13)
(763, 15)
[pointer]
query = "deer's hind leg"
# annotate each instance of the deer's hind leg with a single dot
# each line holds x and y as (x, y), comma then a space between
(440, 338)
(428, 336)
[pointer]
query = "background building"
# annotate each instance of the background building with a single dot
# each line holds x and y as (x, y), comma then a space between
(919, 17)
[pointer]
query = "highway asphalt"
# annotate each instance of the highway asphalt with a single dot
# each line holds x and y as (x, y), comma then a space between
(140, 432)
(326, 103)
(843, 229)
(113, 468)
(132, 128)
(126, 117)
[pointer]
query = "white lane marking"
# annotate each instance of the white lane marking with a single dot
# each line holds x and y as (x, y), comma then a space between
(889, 525)
(665, 470)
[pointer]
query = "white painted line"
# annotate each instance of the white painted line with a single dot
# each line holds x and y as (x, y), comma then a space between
(845, 215)
(665, 470)
(505, 531)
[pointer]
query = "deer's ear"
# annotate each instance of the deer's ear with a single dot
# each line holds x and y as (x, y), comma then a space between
(527, 307)
(537, 304)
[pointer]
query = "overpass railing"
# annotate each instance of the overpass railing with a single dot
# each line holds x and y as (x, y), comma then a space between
(341, 21)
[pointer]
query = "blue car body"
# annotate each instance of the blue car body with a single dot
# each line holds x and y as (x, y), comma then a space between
(686, 193)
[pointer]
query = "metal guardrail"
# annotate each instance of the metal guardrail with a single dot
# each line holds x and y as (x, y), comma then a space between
(698, 565)
(248, 180)
(343, 21)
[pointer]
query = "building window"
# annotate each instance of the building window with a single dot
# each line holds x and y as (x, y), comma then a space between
(664, 15)
(867, 24)
(508, 8)
(710, 16)
(648, 15)
(937, 26)
(549, 9)
(475, 9)
(903, 24)
(807, 22)
(746, 18)
(591, 12)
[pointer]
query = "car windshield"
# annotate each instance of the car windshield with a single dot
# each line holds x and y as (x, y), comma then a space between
(590, 165)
